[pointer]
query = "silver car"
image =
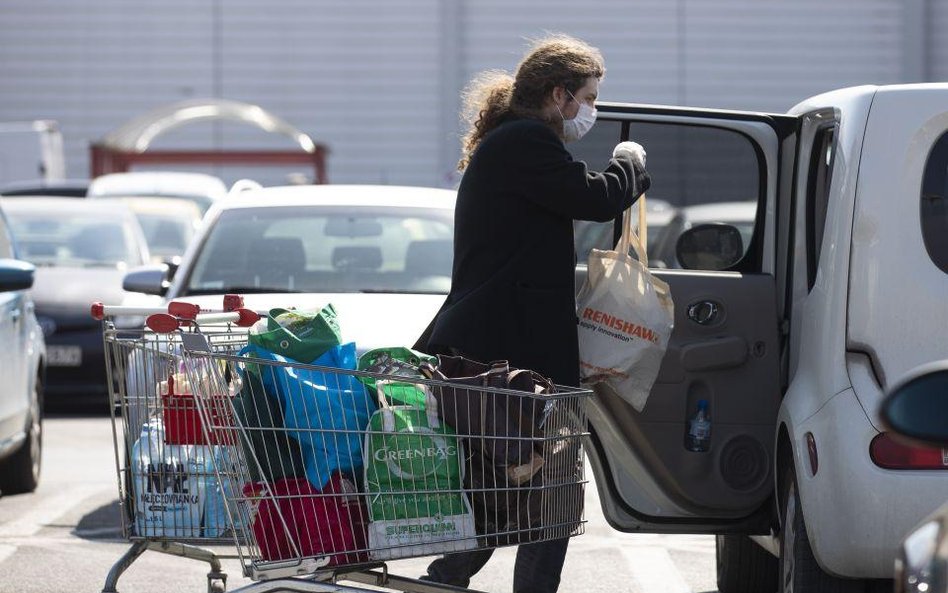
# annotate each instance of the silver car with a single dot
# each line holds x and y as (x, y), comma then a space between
(22, 355)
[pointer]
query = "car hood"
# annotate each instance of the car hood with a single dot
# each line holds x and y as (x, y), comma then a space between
(373, 320)
(64, 288)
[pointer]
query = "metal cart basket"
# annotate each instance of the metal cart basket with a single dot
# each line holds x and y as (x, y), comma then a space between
(319, 474)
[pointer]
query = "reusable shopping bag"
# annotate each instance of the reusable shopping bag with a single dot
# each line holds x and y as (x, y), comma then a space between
(270, 452)
(396, 361)
(625, 315)
(325, 411)
(295, 520)
(302, 336)
(413, 479)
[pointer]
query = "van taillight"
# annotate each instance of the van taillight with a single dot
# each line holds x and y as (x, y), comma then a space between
(890, 453)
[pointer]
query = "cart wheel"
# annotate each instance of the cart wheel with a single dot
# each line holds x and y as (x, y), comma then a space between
(217, 584)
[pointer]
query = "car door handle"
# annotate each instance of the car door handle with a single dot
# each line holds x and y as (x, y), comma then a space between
(704, 312)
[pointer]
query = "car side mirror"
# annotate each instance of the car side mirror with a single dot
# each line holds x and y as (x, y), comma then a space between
(917, 408)
(16, 274)
(154, 279)
(714, 246)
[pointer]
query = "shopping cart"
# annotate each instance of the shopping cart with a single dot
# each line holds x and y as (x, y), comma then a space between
(319, 474)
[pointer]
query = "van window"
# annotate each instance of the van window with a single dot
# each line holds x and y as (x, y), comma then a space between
(700, 174)
(817, 196)
(933, 208)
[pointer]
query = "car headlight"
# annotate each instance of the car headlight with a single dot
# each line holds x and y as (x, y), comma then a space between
(922, 565)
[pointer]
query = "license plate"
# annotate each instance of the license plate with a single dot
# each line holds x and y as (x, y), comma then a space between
(63, 356)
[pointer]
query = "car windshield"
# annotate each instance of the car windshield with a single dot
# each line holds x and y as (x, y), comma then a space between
(166, 235)
(325, 249)
(57, 239)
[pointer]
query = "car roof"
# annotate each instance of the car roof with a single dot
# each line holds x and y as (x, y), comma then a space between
(158, 183)
(62, 206)
(341, 195)
(171, 205)
(721, 211)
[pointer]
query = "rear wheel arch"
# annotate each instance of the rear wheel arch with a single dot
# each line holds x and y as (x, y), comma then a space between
(784, 459)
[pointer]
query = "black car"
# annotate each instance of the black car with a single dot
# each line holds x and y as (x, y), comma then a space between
(81, 250)
(66, 188)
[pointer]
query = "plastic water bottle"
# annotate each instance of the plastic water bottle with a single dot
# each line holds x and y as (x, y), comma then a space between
(698, 438)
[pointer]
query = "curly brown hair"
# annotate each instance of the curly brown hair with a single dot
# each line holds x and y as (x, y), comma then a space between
(557, 60)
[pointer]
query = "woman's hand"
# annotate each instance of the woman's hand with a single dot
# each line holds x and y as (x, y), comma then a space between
(633, 150)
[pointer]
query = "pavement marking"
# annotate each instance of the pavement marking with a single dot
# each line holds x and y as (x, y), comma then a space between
(6, 551)
(653, 569)
(48, 510)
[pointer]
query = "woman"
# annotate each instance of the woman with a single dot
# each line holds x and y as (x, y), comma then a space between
(513, 291)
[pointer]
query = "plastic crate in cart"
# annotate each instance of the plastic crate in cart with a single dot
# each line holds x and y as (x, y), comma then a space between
(181, 416)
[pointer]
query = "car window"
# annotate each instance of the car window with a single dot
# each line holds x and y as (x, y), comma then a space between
(325, 249)
(700, 174)
(69, 240)
(165, 234)
(933, 207)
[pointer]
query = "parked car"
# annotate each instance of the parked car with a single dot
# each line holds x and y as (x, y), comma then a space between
(381, 255)
(81, 250)
(66, 188)
(169, 224)
(917, 409)
(22, 354)
(840, 291)
(740, 215)
(200, 188)
(597, 236)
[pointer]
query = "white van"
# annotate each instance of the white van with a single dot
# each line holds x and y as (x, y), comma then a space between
(838, 293)
(31, 150)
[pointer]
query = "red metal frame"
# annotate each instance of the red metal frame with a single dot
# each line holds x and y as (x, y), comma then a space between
(110, 160)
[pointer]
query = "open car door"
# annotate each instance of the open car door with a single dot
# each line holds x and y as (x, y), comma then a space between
(726, 349)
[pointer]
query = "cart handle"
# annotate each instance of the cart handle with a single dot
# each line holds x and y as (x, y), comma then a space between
(164, 323)
(232, 302)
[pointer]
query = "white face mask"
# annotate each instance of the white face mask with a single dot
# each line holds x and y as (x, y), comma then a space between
(576, 128)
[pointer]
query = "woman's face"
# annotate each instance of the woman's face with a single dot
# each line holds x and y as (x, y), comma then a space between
(586, 94)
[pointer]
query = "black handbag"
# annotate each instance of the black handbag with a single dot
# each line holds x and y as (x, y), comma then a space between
(515, 470)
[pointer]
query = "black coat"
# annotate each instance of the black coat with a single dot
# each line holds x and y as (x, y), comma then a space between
(513, 294)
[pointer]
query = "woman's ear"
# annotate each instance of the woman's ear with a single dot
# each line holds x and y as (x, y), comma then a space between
(560, 95)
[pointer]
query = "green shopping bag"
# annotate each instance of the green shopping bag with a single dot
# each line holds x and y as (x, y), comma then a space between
(413, 477)
(401, 362)
(302, 336)
(271, 453)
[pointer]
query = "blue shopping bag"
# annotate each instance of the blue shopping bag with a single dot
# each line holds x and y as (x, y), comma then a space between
(326, 412)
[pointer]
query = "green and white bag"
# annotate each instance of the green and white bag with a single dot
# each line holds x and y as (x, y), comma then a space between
(413, 477)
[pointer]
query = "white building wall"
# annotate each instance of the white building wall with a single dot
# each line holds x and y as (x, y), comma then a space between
(92, 65)
(378, 80)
